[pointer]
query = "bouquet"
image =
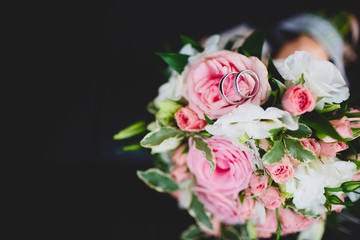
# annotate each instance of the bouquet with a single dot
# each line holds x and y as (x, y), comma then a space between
(251, 147)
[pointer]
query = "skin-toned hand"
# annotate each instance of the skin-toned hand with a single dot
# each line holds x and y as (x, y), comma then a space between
(303, 43)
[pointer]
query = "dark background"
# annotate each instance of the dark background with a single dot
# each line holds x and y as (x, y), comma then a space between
(102, 72)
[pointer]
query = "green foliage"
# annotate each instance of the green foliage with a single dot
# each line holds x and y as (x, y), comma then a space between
(166, 112)
(192, 233)
(197, 210)
(176, 61)
(297, 151)
(275, 154)
(208, 120)
(205, 148)
(158, 180)
(157, 136)
(321, 125)
(301, 133)
(253, 44)
(192, 42)
(131, 131)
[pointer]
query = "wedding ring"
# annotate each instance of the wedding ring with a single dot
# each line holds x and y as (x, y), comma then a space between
(221, 89)
(236, 86)
(255, 88)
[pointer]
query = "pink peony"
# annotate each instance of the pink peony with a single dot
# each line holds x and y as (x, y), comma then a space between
(266, 229)
(188, 120)
(342, 126)
(258, 184)
(298, 100)
(312, 145)
(179, 157)
(271, 198)
(203, 78)
(281, 172)
(292, 222)
(223, 207)
(233, 166)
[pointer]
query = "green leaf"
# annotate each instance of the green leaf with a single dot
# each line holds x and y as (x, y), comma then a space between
(166, 112)
(208, 120)
(157, 136)
(275, 133)
(205, 148)
(273, 72)
(158, 180)
(131, 147)
(278, 229)
(244, 138)
(192, 42)
(230, 233)
(329, 108)
(131, 131)
(176, 61)
(333, 199)
(321, 125)
(353, 115)
(350, 186)
(251, 230)
(281, 86)
(302, 132)
(297, 151)
(197, 210)
(253, 44)
(275, 154)
(192, 233)
(301, 80)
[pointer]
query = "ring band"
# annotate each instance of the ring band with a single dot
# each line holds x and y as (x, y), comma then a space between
(255, 89)
(236, 86)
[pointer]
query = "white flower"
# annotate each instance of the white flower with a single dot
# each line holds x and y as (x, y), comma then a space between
(322, 77)
(310, 179)
(252, 120)
(171, 90)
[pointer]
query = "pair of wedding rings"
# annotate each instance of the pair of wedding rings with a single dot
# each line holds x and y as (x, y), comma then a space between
(242, 73)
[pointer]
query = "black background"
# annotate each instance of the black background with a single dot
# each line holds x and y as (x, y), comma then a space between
(101, 71)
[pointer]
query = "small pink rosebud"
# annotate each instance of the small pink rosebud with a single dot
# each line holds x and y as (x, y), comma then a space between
(298, 100)
(188, 120)
(271, 198)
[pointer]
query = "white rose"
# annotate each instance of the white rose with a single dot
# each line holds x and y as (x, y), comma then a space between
(252, 120)
(322, 77)
(311, 178)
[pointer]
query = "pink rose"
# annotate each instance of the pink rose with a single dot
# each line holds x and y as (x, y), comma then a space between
(271, 198)
(342, 126)
(312, 145)
(265, 230)
(292, 222)
(329, 150)
(179, 157)
(204, 76)
(258, 184)
(247, 208)
(179, 173)
(233, 166)
(223, 207)
(281, 172)
(188, 120)
(298, 100)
